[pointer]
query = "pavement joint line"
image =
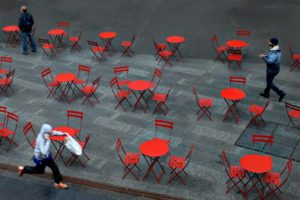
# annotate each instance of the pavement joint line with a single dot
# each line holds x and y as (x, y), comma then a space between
(98, 185)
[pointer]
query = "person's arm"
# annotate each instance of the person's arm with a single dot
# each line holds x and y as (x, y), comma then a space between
(20, 23)
(32, 20)
(270, 58)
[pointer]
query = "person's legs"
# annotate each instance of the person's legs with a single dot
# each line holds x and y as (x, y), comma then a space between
(38, 169)
(24, 43)
(32, 43)
(275, 88)
(269, 81)
(55, 171)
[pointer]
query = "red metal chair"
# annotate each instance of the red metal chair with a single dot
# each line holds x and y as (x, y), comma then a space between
(75, 157)
(120, 95)
(49, 81)
(156, 78)
(9, 131)
(47, 47)
(121, 70)
(98, 51)
(74, 120)
(235, 174)
(126, 45)
(75, 42)
(30, 134)
(234, 55)
(245, 34)
(130, 160)
(64, 25)
(256, 112)
(293, 113)
(259, 138)
(89, 91)
(162, 125)
(274, 180)
(219, 49)
(158, 48)
(5, 64)
(165, 55)
(237, 79)
(6, 83)
(178, 165)
(3, 111)
(204, 104)
(83, 75)
(295, 58)
(160, 100)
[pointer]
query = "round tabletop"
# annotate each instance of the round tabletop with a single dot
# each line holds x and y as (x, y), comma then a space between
(154, 148)
(67, 129)
(56, 32)
(236, 43)
(256, 163)
(175, 39)
(65, 77)
(107, 35)
(233, 94)
(140, 85)
(10, 28)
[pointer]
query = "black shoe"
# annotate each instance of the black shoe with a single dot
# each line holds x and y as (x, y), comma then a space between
(281, 97)
(264, 95)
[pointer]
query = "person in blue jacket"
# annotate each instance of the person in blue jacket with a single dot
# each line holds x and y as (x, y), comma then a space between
(272, 60)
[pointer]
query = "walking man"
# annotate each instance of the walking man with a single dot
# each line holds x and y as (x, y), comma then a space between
(272, 59)
(25, 24)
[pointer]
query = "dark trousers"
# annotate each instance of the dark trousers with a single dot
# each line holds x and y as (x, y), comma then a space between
(40, 169)
(270, 85)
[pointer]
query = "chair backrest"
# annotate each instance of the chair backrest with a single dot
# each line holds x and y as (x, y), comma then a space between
(114, 85)
(163, 124)
(10, 75)
(73, 115)
(290, 106)
(243, 33)
(291, 51)
(259, 138)
(120, 150)
(28, 130)
(265, 107)
(234, 51)
(92, 44)
(132, 39)
(43, 41)
(6, 61)
(86, 141)
(96, 82)
(156, 77)
(237, 79)
(79, 36)
(224, 158)
(196, 95)
(156, 46)
(63, 24)
(121, 69)
(214, 42)
(12, 117)
(287, 171)
(189, 155)
(3, 111)
(83, 69)
(46, 74)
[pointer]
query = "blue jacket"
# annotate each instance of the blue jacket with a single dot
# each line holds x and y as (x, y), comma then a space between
(272, 60)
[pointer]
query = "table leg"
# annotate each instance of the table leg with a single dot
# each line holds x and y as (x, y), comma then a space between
(231, 109)
(138, 101)
(59, 151)
(254, 186)
(150, 169)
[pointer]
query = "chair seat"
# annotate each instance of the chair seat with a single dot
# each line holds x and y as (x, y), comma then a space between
(88, 89)
(74, 39)
(5, 132)
(272, 178)
(234, 57)
(256, 109)
(165, 53)
(237, 171)
(296, 56)
(79, 81)
(123, 82)
(82, 144)
(294, 113)
(132, 158)
(126, 43)
(53, 84)
(48, 46)
(221, 48)
(34, 142)
(160, 97)
(123, 93)
(5, 81)
(98, 49)
(176, 162)
(3, 71)
(205, 102)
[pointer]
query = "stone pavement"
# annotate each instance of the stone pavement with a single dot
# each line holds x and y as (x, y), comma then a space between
(206, 173)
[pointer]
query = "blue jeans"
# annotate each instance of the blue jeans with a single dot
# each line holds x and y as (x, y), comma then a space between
(24, 42)
(270, 85)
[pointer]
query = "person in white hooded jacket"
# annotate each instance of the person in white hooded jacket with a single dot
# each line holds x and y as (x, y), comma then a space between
(42, 157)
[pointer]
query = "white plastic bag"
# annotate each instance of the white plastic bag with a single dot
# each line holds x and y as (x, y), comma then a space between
(73, 145)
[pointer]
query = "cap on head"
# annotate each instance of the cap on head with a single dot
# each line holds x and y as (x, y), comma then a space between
(23, 8)
(274, 41)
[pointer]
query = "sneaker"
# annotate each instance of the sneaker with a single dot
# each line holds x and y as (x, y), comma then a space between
(264, 95)
(21, 170)
(281, 97)
(25, 53)
(61, 186)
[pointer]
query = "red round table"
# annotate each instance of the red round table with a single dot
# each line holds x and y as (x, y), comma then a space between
(67, 78)
(107, 38)
(140, 86)
(236, 44)
(233, 95)
(152, 150)
(12, 33)
(174, 43)
(57, 35)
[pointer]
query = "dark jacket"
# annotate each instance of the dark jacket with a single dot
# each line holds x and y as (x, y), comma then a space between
(26, 22)
(272, 60)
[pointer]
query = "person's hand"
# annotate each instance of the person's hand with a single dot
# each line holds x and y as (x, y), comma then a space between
(47, 136)
(262, 55)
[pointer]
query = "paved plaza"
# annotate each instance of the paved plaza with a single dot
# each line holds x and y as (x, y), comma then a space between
(207, 177)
